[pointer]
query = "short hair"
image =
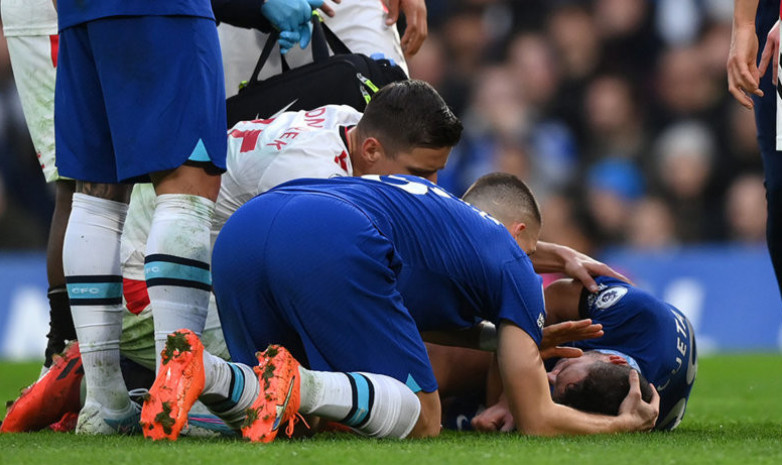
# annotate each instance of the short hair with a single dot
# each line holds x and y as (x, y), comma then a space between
(505, 197)
(408, 114)
(603, 389)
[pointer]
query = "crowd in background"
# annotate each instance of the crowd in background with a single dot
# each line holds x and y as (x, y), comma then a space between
(615, 111)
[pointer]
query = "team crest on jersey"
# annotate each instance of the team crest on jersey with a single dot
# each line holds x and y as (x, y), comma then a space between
(606, 297)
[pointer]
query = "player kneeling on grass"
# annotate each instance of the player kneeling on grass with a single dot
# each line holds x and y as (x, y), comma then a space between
(642, 334)
(343, 275)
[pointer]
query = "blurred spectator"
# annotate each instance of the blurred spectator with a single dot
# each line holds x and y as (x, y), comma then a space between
(563, 223)
(685, 162)
(629, 40)
(685, 88)
(651, 225)
(534, 69)
(496, 114)
(745, 209)
(614, 124)
(613, 187)
(678, 21)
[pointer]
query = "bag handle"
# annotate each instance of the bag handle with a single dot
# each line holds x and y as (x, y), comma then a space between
(322, 39)
(265, 53)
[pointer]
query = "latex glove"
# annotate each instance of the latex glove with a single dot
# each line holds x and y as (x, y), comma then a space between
(292, 19)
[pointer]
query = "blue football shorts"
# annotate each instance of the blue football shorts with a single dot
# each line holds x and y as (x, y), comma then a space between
(139, 94)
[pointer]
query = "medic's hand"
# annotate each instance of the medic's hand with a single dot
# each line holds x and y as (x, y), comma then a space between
(292, 19)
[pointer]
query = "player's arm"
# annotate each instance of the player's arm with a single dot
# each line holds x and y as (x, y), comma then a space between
(562, 301)
(241, 13)
(743, 74)
(529, 398)
(554, 258)
(482, 336)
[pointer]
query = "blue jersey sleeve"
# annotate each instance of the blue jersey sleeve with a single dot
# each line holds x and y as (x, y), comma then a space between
(241, 13)
(521, 298)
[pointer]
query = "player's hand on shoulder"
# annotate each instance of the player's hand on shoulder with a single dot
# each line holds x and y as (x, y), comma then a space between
(639, 415)
(582, 267)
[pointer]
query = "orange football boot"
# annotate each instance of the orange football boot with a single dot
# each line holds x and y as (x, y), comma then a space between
(279, 397)
(179, 382)
(47, 400)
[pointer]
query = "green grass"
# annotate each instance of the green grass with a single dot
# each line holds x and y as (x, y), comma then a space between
(734, 417)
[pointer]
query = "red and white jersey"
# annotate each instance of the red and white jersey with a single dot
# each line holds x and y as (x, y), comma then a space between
(265, 153)
(28, 17)
(261, 154)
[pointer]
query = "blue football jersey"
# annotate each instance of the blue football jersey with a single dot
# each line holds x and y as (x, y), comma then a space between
(654, 336)
(459, 265)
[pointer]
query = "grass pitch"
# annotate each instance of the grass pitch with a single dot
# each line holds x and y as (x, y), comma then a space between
(734, 417)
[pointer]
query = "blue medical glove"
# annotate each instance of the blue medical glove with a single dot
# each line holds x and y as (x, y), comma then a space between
(287, 40)
(293, 17)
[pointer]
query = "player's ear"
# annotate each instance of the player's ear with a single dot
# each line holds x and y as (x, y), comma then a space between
(372, 150)
(617, 360)
(517, 228)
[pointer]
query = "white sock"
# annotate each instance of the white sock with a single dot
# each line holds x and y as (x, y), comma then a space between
(92, 272)
(177, 265)
(229, 389)
(372, 404)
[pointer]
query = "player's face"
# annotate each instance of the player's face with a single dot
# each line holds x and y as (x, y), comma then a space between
(419, 161)
(568, 371)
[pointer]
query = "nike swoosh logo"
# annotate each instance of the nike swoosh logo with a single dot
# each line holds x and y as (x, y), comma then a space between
(281, 111)
(281, 408)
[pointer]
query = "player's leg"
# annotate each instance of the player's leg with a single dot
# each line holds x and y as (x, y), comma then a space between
(184, 133)
(34, 61)
(60, 320)
(765, 117)
(91, 243)
(179, 252)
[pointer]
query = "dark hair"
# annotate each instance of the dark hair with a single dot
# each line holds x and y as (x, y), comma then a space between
(408, 114)
(502, 195)
(603, 389)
